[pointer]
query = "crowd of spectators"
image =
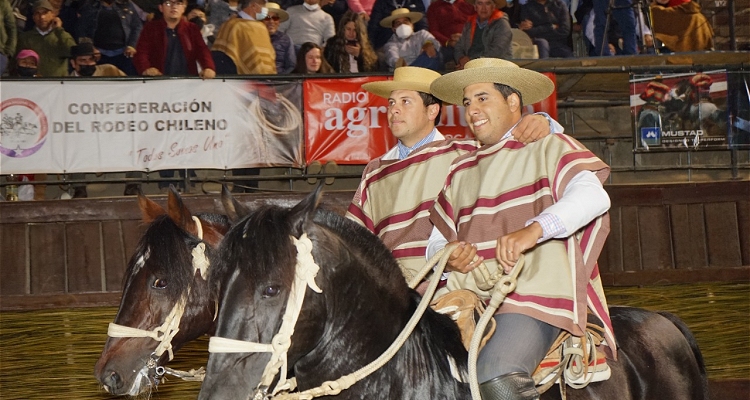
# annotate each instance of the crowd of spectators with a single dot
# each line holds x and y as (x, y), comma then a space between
(206, 37)
(93, 38)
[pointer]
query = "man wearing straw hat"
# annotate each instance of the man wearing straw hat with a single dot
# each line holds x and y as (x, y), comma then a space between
(544, 199)
(407, 47)
(414, 170)
(286, 57)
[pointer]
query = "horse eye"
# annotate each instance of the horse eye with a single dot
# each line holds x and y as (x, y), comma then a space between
(270, 291)
(159, 283)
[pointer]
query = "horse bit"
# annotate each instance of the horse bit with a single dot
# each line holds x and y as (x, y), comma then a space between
(166, 331)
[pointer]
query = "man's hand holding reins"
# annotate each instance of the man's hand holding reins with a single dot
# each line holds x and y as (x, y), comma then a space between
(511, 246)
(462, 259)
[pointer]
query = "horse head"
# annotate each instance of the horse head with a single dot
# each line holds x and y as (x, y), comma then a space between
(354, 304)
(166, 298)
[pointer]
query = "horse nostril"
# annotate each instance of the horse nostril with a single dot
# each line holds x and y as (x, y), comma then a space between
(113, 380)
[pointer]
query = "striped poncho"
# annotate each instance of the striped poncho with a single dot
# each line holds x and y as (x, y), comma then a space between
(493, 192)
(394, 198)
(248, 44)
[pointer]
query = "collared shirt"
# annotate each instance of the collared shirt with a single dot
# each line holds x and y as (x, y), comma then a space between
(408, 49)
(404, 151)
(245, 15)
(583, 200)
(44, 33)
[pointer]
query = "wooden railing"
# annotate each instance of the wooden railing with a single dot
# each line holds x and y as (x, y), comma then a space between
(74, 253)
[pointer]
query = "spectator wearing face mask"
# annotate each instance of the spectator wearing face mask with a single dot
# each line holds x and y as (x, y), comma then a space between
(27, 63)
(308, 23)
(52, 44)
(83, 62)
(406, 47)
(245, 42)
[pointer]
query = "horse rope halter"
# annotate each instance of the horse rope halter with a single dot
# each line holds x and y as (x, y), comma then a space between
(167, 331)
(305, 272)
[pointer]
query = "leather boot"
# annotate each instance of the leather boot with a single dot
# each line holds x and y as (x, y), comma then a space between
(513, 386)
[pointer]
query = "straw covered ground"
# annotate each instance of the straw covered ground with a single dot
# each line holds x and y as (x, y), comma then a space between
(50, 354)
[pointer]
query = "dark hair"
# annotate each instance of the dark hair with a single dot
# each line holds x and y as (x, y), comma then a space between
(428, 100)
(506, 91)
(367, 54)
(192, 7)
(301, 67)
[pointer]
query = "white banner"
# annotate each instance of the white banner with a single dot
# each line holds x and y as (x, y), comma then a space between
(107, 126)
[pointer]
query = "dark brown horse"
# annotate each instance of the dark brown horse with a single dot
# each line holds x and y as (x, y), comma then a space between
(160, 275)
(363, 306)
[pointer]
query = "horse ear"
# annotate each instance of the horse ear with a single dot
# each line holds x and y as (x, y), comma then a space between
(149, 209)
(178, 212)
(305, 209)
(234, 209)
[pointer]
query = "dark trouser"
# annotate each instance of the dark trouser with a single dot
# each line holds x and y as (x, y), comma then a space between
(623, 13)
(120, 61)
(556, 50)
(518, 345)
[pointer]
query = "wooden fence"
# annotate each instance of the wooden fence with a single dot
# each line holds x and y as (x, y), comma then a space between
(74, 253)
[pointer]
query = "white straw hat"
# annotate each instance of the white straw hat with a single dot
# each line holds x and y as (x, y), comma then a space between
(413, 16)
(533, 86)
(404, 78)
(276, 9)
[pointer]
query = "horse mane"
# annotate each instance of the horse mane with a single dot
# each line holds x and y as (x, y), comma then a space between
(359, 256)
(436, 336)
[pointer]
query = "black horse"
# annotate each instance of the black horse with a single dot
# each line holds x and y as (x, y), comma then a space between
(158, 275)
(365, 303)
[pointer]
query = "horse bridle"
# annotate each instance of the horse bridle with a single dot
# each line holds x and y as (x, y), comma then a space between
(304, 276)
(305, 272)
(166, 331)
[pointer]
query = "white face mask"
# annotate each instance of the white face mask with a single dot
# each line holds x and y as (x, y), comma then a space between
(311, 7)
(450, 1)
(262, 14)
(404, 31)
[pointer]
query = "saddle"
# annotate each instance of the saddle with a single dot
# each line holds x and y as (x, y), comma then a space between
(465, 308)
(576, 361)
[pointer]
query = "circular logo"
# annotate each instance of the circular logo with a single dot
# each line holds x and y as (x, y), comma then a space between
(23, 128)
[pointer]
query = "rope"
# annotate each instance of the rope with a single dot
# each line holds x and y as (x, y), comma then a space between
(167, 330)
(503, 285)
(333, 388)
(306, 270)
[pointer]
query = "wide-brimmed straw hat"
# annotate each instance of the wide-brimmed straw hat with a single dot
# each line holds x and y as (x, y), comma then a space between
(404, 78)
(276, 9)
(413, 16)
(533, 86)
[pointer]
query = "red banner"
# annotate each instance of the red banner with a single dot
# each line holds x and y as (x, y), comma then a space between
(348, 125)
(343, 122)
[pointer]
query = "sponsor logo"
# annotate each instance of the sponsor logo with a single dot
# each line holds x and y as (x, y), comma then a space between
(23, 127)
(651, 136)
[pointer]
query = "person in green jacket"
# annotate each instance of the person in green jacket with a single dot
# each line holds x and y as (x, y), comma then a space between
(51, 42)
(8, 34)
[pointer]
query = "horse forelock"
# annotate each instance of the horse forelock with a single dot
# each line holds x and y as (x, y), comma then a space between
(165, 250)
(259, 246)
